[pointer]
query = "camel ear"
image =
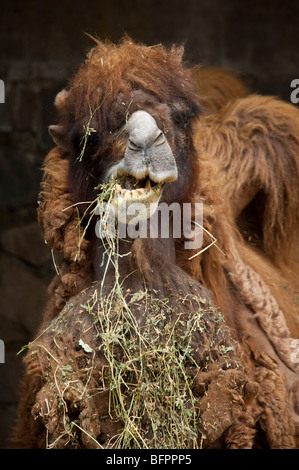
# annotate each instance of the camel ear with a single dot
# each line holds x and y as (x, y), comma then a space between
(59, 137)
(61, 98)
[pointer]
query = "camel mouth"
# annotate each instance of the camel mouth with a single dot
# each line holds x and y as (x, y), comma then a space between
(138, 190)
(131, 193)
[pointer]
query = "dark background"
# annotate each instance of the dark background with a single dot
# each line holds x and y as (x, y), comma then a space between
(42, 44)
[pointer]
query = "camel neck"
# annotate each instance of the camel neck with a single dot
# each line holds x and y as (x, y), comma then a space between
(121, 257)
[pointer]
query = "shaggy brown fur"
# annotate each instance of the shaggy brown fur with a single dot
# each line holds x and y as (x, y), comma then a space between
(217, 86)
(244, 154)
(255, 143)
(60, 230)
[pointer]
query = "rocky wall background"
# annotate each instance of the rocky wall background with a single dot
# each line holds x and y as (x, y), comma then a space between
(41, 45)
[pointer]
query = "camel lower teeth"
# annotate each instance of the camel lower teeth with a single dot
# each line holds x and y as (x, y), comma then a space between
(129, 193)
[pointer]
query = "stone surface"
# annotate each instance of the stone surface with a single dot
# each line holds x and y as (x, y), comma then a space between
(19, 178)
(10, 374)
(22, 297)
(25, 242)
(8, 417)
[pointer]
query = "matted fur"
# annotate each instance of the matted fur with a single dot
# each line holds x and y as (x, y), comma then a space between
(82, 391)
(255, 142)
(249, 145)
(217, 86)
(58, 218)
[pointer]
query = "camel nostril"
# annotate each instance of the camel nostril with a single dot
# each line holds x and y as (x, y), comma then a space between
(159, 140)
(133, 146)
(154, 142)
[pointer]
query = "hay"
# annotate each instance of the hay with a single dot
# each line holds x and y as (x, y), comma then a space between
(122, 369)
(147, 372)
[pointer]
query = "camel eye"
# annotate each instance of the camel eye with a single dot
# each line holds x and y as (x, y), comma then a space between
(89, 142)
(181, 118)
